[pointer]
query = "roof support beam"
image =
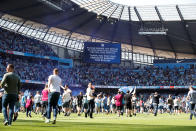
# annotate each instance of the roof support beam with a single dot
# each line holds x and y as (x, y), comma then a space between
(167, 37)
(113, 11)
(147, 37)
(21, 25)
(70, 34)
(121, 12)
(131, 36)
(184, 23)
(102, 11)
(138, 15)
(45, 33)
(98, 2)
(129, 11)
(99, 5)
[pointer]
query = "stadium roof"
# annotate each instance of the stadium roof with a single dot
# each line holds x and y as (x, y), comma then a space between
(148, 13)
(153, 2)
(114, 22)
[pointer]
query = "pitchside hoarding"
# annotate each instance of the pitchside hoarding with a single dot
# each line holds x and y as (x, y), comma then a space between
(108, 53)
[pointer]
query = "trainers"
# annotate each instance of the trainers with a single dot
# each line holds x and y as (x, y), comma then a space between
(15, 118)
(47, 120)
(54, 122)
(5, 123)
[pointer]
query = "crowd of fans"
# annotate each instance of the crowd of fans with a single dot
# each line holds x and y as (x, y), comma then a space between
(29, 68)
(105, 103)
(16, 42)
(149, 76)
(39, 69)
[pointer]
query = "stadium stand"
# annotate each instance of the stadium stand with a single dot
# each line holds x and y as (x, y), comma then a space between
(29, 68)
(16, 42)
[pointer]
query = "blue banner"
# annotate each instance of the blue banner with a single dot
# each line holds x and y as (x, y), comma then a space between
(108, 53)
(68, 62)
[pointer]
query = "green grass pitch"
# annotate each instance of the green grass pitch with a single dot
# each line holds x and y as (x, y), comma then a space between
(102, 122)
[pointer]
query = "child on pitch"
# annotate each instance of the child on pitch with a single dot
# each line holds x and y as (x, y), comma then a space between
(29, 105)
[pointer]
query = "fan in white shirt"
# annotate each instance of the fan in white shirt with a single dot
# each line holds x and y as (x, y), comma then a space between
(66, 100)
(37, 101)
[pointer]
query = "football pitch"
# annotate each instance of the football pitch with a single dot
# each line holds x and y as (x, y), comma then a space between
(102, 122)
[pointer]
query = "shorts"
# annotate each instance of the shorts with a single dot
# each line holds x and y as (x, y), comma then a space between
(119, 107)
(105, 107)
(85, 105)
(176, 107)
(192, 106)
(161, 107)
(44, 103)
(97, 105)
(23, 105)
(170, 107)
(79, 104)
(128, 106)
(151, 106)
(37, 104)
(102, 105)
(134, 106)
(113, 106)
(66, 104)
(16, 108)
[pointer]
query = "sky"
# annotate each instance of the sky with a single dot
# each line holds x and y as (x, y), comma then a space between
(153, 2)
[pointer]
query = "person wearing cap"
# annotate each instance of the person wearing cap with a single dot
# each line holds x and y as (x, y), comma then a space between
(192, 98)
